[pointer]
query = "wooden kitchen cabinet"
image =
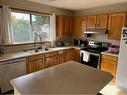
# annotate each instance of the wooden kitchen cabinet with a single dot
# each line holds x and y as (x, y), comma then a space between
(109, 64)
(79, 26)
(91, 22)
(126, 20)
(102, 21)
(77, 57)
(75, 54)
(51, 59)
(99, 21)
(116, 22)
(35, 63)
(63, 25)
(72, 54)
(64, 56)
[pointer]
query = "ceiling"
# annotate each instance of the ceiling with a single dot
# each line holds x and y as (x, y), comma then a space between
(78, 4)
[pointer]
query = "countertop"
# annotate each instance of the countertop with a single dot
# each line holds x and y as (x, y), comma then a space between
(110, 53)
(67, 78)
(22, 54)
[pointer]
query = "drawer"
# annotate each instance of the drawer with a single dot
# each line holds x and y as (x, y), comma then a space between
(35, 57)
(109, 57)
(50, 54)
(61, 52)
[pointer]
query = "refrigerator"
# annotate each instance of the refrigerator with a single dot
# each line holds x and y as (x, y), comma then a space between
(121, 74)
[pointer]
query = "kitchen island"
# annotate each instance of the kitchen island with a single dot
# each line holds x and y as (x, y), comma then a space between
(67, 78)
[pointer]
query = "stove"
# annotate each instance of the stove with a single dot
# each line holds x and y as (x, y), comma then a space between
(93, 49)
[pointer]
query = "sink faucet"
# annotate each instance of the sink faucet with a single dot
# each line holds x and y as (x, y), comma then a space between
(36, 36)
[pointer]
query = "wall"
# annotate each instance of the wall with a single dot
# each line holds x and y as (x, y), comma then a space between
(26, 5)
(102, 10)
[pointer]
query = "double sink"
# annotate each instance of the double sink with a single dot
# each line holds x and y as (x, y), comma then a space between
(33, 51)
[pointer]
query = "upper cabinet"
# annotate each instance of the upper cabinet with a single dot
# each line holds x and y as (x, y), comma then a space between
(126, 20)
(79, 26)
(102, 21)
(116, 22)
(63, 25)
(91, 22)
(99, 21)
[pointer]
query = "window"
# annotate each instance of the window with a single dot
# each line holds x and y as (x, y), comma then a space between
(40, 25)
(25, 25)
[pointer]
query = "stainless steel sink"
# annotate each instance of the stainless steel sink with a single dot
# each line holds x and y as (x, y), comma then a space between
(44, 50)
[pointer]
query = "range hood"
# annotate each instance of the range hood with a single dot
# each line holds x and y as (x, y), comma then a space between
(96, 31)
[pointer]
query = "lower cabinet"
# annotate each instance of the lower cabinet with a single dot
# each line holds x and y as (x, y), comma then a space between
(63, 56)
(35, 63)
(77, 57)
(75, 54)
(50, 59)
(72, 54)
(109, 64)
(40, 61)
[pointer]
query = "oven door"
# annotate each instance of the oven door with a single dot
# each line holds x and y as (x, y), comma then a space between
(94, 60)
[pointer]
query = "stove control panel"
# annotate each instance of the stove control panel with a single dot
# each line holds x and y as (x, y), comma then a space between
(98, 44)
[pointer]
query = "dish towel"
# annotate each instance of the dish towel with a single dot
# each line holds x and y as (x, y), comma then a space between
(86, 56)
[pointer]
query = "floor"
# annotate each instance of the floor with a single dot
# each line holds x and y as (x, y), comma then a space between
(112, 89)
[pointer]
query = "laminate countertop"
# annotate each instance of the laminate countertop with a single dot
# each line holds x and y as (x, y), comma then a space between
(110, 53)
(67, 78)
(22, 54)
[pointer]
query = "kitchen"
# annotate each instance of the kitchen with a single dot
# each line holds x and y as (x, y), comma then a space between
(70, 25)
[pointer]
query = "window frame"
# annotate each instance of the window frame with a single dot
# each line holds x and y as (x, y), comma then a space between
(30, 14)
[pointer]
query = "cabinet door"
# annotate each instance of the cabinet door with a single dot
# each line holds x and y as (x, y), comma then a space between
(60, 26)
(61, 58)
(67, 55)
(102, 21)
(68, 23)
(72, 54)
(63, 26)
(79, 26)
(77, 57)
(50, 61)
(109, 66)
(35, 65)
(91, 22)
(116, 22)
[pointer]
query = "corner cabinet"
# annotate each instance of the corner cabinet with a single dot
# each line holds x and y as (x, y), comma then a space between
(79, 26)
(63, 25)
(35, 63)
(116, 22)
(63, 56)
(109, 64)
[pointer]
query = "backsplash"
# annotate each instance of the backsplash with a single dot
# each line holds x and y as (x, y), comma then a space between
(66, 40)
(103, 38)
(15, 48)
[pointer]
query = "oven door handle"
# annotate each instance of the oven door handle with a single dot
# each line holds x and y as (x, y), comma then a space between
(91, 53)
(95, 54)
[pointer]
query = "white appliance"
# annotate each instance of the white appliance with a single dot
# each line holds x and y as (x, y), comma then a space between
(121, 77)
(10, 70)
